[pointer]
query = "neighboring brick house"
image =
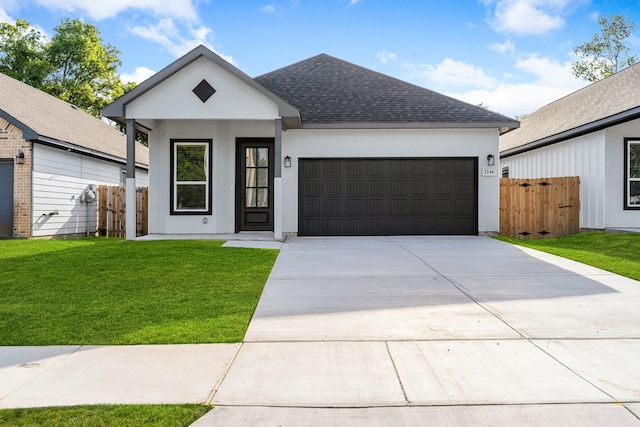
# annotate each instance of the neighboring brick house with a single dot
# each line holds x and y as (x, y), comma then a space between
(50, 152)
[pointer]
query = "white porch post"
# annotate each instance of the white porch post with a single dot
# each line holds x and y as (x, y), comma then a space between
(130, 216)
(277, 183)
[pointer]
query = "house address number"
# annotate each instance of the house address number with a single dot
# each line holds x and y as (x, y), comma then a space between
(489, 171)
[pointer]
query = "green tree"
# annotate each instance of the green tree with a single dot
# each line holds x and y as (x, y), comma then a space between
(606, 52)
(85, 69)
(22, 54)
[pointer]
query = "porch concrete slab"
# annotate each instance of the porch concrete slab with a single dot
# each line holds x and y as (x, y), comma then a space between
(303, 374)
(561, 306)
(486, 372)
(256, 244)
(578, 415)
(611, 365)
(248, 236)
(373, 308)
(20, 365)
(127, 374)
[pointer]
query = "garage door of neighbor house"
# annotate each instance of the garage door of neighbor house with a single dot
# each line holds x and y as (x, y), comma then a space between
(6, 197)
(357, 196)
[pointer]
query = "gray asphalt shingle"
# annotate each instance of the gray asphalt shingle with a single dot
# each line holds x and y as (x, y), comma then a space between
(328, 90)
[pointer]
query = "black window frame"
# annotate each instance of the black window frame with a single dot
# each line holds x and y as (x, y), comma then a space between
(627, 179)
(209, 208)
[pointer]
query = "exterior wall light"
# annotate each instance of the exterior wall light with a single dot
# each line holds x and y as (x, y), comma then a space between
(20, 157)
(491, 160)
(287, 162)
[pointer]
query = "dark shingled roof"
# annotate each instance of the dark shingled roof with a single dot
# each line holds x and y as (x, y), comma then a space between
(329, 92)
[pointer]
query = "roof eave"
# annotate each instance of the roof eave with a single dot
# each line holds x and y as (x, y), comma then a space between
(411, 125)
(27, 132)
(597, 125)
(52, 142)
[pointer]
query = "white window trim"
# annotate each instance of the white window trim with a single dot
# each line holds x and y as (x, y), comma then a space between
(175, 143)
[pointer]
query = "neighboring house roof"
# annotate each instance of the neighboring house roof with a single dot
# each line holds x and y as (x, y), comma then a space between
(329, 91)
(49, 120)
(116, 110)
(610, 101)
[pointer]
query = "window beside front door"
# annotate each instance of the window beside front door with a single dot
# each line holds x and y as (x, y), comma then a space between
(190, 177)
(632, 173)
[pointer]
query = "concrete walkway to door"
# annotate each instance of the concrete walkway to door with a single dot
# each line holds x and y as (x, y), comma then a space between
(377, 331)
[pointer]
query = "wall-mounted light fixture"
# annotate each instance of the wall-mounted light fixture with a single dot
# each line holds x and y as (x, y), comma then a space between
(491, 160)
(20, 157)
(287, 162)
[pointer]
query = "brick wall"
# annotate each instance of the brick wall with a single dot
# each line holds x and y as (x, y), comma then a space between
(10, 142)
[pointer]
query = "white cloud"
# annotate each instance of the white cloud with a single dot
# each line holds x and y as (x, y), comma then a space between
(535, 82)
(172, 37)
(529, 16)
(98, 10)
(552, 80)
(139, 75)
(8, 8)
(386, 56)
(4, 17)
(271, 9)
(450, 73)
(508, 47)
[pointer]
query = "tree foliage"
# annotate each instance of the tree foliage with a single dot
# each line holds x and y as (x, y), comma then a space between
(606, 52)
(75, 65)
(22, 54)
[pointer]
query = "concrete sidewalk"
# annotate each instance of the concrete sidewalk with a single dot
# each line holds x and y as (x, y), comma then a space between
(81, 375)
(378, 331)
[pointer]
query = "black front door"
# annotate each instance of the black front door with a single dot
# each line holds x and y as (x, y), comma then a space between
(6, 198)
(254, 187)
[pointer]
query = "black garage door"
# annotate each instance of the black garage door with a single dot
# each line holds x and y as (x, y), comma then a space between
(358, 197)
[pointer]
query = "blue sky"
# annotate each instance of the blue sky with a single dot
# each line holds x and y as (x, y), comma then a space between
(512, 55)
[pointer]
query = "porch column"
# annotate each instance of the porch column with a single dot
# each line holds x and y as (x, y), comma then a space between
(277, 183)
(130, 216)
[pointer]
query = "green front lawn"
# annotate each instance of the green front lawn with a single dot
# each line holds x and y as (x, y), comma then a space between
(104, 415)
(107, 291)
(615, 252)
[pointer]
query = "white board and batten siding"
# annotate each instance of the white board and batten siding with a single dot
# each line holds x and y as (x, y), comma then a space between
(583, 156)
(59, 178)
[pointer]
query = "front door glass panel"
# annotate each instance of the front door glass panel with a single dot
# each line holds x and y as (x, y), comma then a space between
(257, 177)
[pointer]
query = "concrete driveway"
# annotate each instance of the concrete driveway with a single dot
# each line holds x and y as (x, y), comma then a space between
(434, 330)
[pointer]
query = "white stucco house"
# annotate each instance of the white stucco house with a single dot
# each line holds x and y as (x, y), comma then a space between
(51, 154)
(593, 133)
(320, 147)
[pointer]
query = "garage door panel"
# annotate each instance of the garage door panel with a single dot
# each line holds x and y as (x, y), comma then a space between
(388, 196)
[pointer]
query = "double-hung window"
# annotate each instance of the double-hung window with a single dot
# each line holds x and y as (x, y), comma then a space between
(632, 173)
(190, 177)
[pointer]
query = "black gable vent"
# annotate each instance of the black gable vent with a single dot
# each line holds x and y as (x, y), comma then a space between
(204, 90)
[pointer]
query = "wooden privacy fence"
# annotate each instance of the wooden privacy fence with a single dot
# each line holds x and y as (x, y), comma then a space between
(111, 211)
(539, 208)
